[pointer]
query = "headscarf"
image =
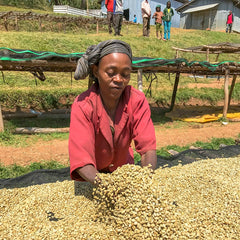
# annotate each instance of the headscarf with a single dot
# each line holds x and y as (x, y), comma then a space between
(94, 54)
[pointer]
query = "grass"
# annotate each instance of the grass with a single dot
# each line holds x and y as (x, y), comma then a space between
(13, 171)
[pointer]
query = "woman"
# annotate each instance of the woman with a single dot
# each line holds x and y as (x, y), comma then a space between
(108, 116)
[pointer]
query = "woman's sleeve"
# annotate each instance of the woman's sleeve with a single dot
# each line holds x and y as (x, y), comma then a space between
(143, 129)
(81, 140)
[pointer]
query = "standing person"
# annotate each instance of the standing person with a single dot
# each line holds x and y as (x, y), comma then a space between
(118, 16)
(109, 5)
(158, 21)
(168, 13)
(109, 115)
(135, 18)
(146, 14)
(229, 22)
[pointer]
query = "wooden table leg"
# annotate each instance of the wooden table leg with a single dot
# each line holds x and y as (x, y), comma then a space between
(226, 95)
(1, 121)
(175, 90)
(231, 90)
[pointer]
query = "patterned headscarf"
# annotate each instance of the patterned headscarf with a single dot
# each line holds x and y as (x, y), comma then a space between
(94, 54)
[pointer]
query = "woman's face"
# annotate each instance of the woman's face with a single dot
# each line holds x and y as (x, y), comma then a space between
(113, 74)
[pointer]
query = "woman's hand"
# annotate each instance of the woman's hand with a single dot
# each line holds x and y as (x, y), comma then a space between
(150, 157)
(88, 173)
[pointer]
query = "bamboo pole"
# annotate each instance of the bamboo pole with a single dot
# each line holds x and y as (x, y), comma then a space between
(175, 90)
(140, 87)
(231, 90)
(1, 121)
(226, 95)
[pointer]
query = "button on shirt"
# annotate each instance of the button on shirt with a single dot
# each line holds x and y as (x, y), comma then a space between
(91, 140)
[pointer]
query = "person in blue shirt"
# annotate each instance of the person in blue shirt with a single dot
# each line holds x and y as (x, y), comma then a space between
(135, 18)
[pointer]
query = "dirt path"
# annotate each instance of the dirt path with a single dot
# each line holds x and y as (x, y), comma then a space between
(58, 149)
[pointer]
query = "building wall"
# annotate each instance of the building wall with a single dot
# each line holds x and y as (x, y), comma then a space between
(214, 18)
(134, 7)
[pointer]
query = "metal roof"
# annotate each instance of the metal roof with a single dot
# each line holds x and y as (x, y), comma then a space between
(236, 3)
(201, 8)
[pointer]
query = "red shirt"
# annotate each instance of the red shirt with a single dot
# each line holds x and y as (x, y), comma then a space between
(109, 4)
(91, 140)
(230, 19)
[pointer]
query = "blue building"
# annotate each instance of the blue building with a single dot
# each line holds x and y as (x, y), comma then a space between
(134, 7)
(209, 14)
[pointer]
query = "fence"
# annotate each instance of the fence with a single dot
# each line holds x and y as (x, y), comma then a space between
(10, 20)
(65, 9)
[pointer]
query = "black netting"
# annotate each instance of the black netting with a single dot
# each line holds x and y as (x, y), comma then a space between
(185, 157)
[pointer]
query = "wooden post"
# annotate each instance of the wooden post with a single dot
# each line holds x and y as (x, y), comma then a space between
(139, 79)
(1, 121)
(40, 24)
(16, 24)
(3, 76)
(87, 7)
(207, 53)
(175, 90)
(97, 26)
(177, 54)
(6, 24)
(226, 95)
(231, 90)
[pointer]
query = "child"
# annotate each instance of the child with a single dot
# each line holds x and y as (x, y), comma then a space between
(135, 18)
(168, 13)
(158, 21)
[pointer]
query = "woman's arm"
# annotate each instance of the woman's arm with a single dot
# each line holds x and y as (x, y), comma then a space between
(88, 173)
(150, 157)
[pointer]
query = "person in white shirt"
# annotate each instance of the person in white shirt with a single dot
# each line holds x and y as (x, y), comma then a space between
(118, 16)
(146, 15)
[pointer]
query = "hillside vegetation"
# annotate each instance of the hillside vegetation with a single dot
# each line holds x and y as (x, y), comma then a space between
(58, 90)
(46, 4)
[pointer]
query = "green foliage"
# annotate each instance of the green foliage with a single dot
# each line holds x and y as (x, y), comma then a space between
(5, 136)
(39, 4)
(213, 144)
(42, 4)
(13, 171)
(38, 99)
